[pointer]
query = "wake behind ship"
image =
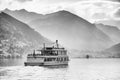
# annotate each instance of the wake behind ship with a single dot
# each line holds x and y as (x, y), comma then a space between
(48, 56)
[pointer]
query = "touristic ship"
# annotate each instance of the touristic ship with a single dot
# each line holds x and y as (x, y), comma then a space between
(47, 56)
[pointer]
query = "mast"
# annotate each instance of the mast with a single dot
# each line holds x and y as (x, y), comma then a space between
(44, 45)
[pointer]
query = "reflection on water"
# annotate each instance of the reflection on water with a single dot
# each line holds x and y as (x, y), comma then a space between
(78, 69)
(11, 62)
(56, 67)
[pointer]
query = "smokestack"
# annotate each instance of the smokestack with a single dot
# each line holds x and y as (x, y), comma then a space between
(57, 43)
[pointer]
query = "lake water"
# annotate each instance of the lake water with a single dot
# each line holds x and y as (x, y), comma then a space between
(78, 69)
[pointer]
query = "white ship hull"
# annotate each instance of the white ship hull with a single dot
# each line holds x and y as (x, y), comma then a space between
(48, 56)
(40, 61)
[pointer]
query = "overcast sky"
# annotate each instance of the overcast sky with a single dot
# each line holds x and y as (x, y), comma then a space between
(92, 10)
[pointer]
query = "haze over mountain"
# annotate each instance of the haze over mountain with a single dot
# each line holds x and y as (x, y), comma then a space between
(114, 50)
(111, 23)
(74, 31)
(71, 30)
(112, 31)
(16, 36)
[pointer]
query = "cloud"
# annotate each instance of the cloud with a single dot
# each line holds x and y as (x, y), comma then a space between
(32, 6)
(116, 0)
(23, 0)
(91, 10)
(94, 10)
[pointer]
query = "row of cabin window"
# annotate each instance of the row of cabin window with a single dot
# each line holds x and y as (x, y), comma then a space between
(56, 59)
(54, 52)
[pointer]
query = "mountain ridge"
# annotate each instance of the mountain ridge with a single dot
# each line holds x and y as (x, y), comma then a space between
(112, 31)
(17, 37)
(92, 30)
(114, 50)
(64, 20)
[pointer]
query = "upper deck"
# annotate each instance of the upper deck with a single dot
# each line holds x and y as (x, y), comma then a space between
(50, 51)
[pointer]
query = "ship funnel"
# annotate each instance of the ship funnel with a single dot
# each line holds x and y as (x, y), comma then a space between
(57, 43)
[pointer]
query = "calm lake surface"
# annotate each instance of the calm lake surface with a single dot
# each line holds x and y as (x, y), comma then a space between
(78, 69)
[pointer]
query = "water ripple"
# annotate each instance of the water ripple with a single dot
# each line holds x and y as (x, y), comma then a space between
(78, 69)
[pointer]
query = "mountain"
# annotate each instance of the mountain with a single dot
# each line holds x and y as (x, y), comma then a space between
(111, 22)
(16, 36)
(112, 31)
(23, 15)
(114, 50)
(73, 31)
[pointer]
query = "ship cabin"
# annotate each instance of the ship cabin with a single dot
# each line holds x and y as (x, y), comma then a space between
(56, 54)
(50, 51)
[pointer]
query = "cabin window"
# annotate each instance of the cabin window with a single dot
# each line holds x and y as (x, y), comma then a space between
(58, 59)
(64, 59)
(56, 52)
(45, 59)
